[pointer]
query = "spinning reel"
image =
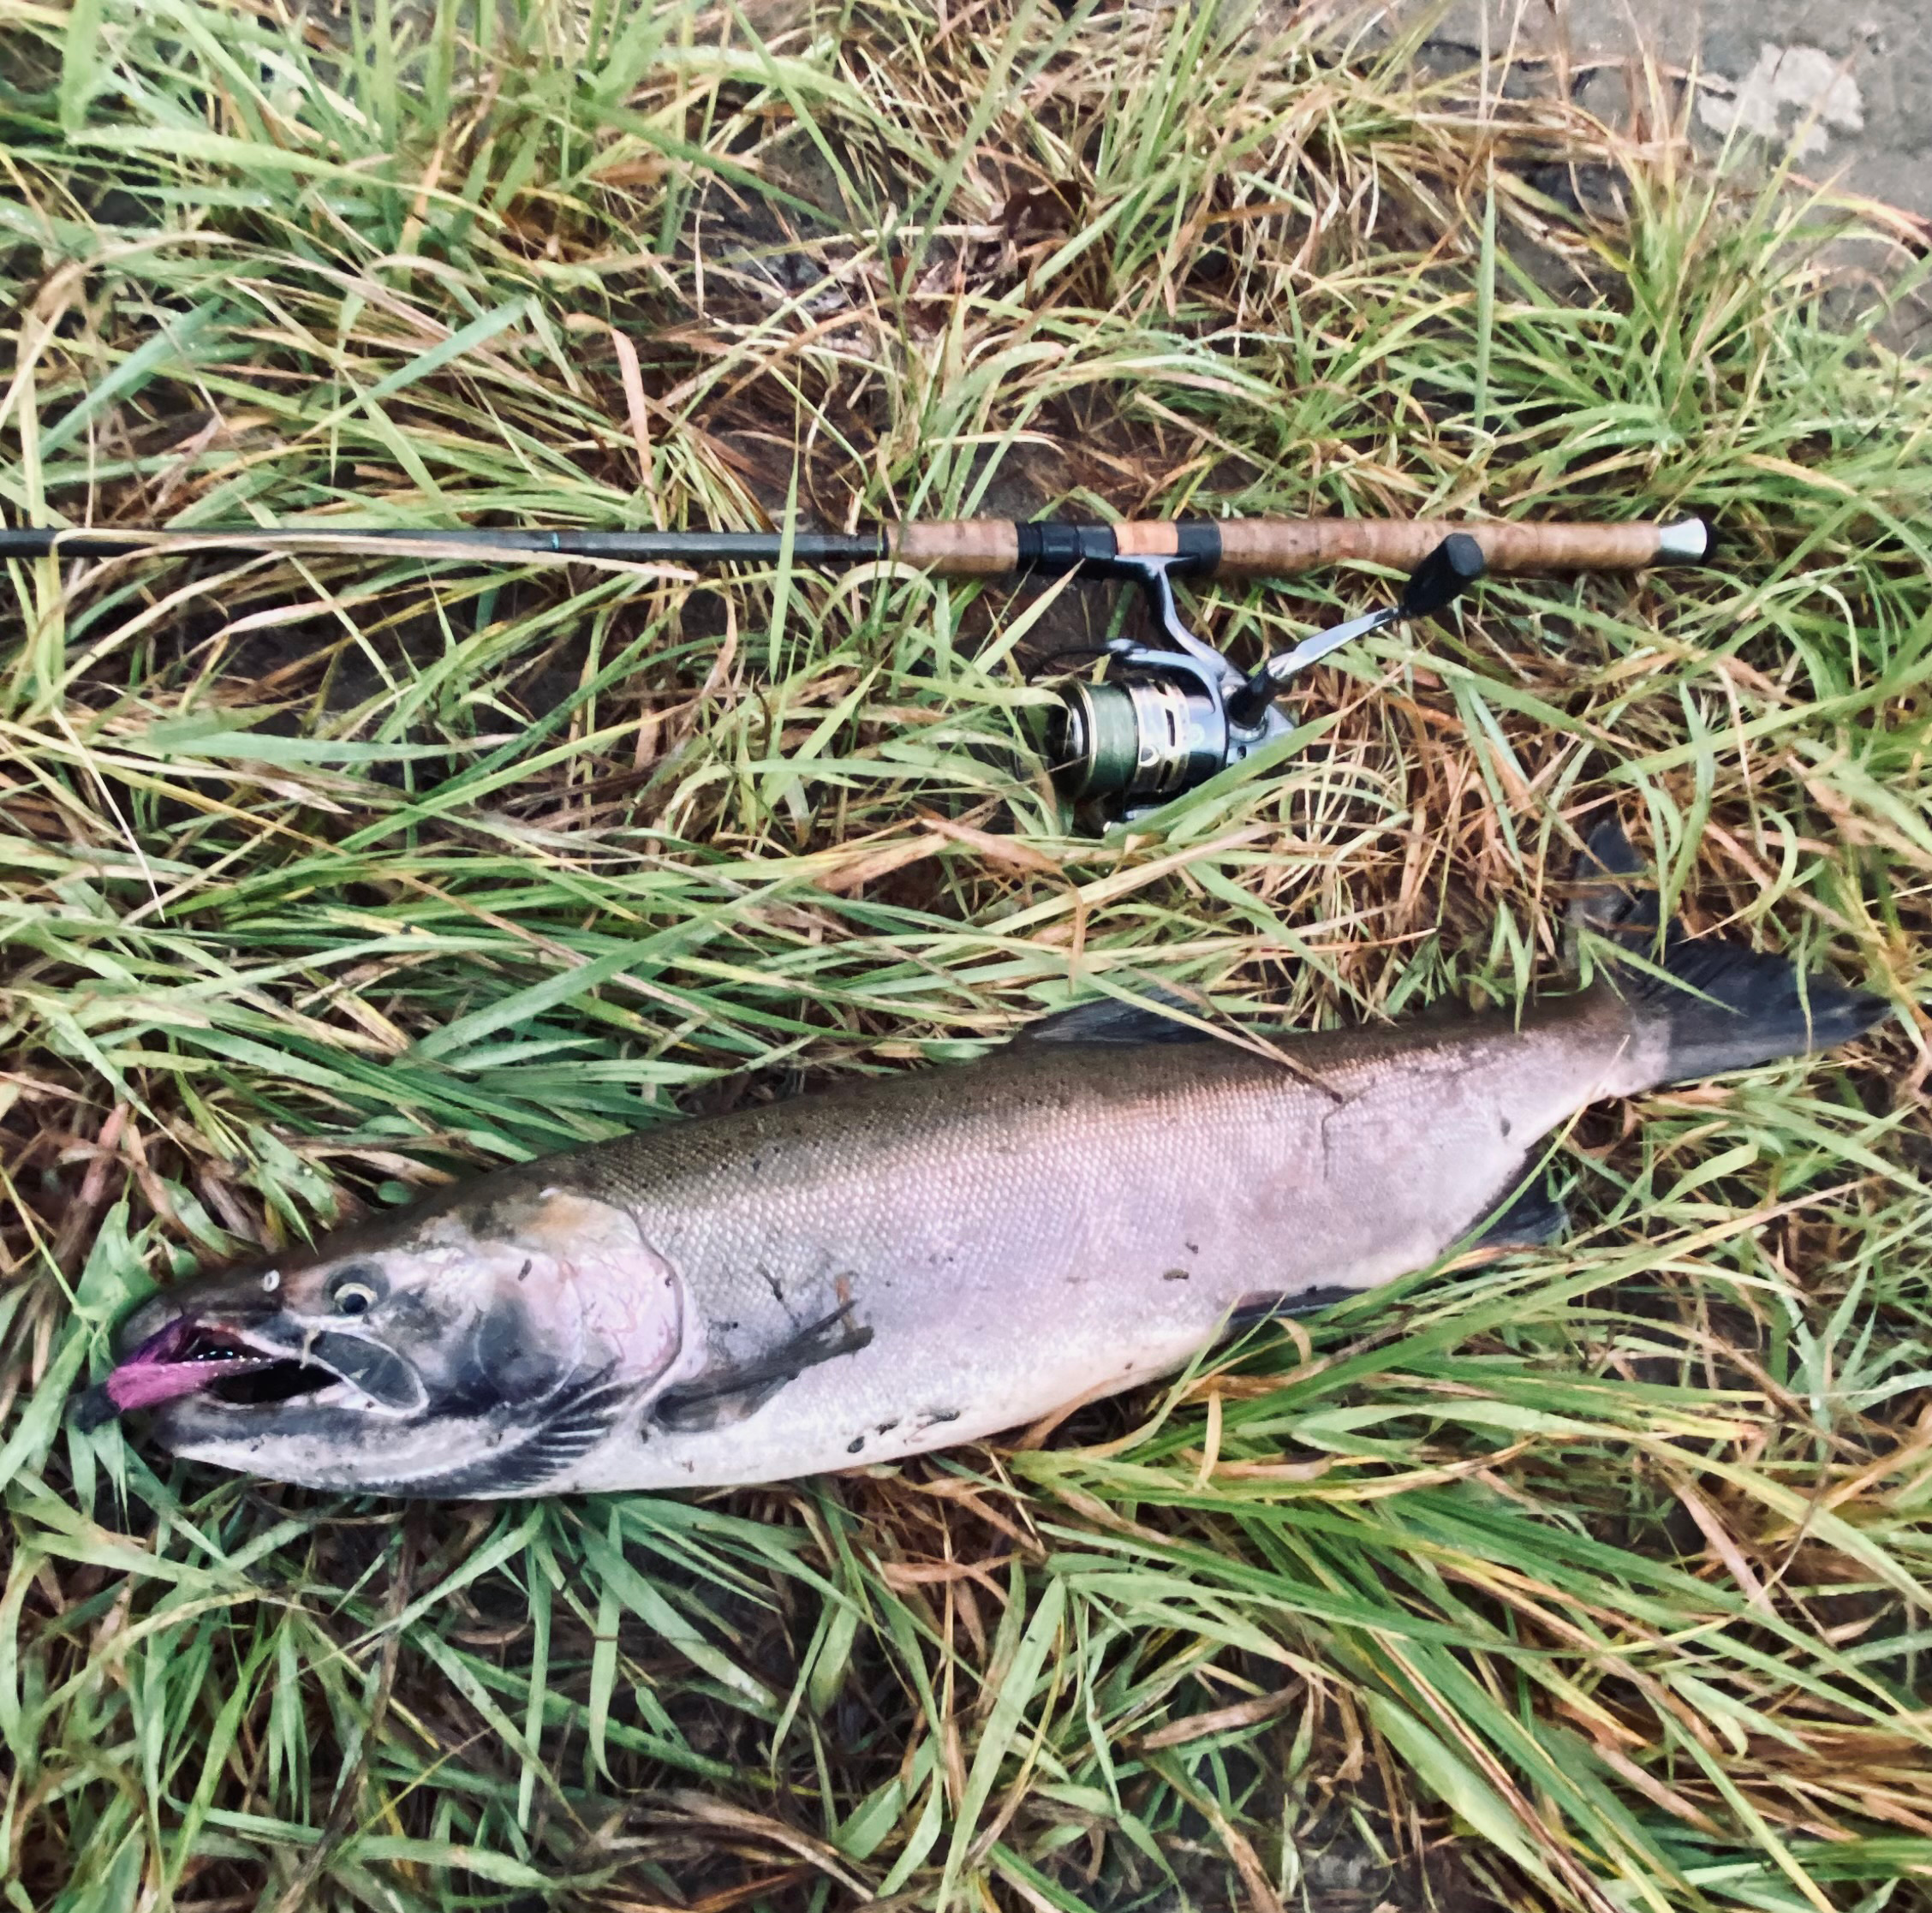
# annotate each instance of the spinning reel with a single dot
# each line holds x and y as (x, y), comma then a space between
(1160, 721)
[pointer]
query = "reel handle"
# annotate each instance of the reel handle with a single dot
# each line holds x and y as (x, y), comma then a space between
(1443, 576)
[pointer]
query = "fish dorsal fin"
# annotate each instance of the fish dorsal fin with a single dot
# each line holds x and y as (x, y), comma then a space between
(1108, 1020)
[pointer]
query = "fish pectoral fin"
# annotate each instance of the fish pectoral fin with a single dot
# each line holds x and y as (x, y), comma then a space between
(730, 1391)
(1534, 1219)
(531, 1455)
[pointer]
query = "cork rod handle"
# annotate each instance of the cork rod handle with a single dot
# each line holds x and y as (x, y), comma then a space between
(959, 547)
(1278, 547)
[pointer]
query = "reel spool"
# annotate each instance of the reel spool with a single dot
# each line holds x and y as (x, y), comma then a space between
(1139, 736)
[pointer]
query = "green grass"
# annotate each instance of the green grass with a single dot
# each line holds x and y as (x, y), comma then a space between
(1592, 1579)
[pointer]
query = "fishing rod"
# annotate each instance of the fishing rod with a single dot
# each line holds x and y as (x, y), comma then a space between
(960, 547)
(1159, 719)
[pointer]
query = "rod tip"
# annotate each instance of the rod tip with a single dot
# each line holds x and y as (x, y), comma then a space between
(1683, 543)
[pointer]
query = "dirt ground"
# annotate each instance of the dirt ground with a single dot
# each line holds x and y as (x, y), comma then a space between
(1849, 84)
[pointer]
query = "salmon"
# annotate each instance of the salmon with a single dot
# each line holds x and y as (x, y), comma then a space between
(903, 1262)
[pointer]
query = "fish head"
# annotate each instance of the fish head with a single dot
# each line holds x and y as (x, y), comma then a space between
(475, 1348)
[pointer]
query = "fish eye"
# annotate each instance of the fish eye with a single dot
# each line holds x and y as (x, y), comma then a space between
(355, 1291)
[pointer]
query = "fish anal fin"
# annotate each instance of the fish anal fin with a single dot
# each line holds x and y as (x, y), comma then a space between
(1251, 1310)
(719, 1396)
(1534, 1219)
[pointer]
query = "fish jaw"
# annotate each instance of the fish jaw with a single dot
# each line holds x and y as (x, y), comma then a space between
(318, 1443)
(166, 1364)
(195, 1353)
(495, 1450)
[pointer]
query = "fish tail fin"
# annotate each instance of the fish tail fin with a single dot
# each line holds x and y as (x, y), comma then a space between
(1703, 1005)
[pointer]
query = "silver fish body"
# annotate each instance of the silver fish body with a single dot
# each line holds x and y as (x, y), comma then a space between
(914, 1261)
(1056, 1223)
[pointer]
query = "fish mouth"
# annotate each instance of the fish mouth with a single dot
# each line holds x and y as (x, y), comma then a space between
(229, 1366)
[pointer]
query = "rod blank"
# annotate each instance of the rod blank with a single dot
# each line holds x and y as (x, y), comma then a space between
(692, 548)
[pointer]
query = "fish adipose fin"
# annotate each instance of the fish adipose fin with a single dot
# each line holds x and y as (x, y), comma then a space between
(729, 1392)
(1614, 896)
(1717, 1005)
